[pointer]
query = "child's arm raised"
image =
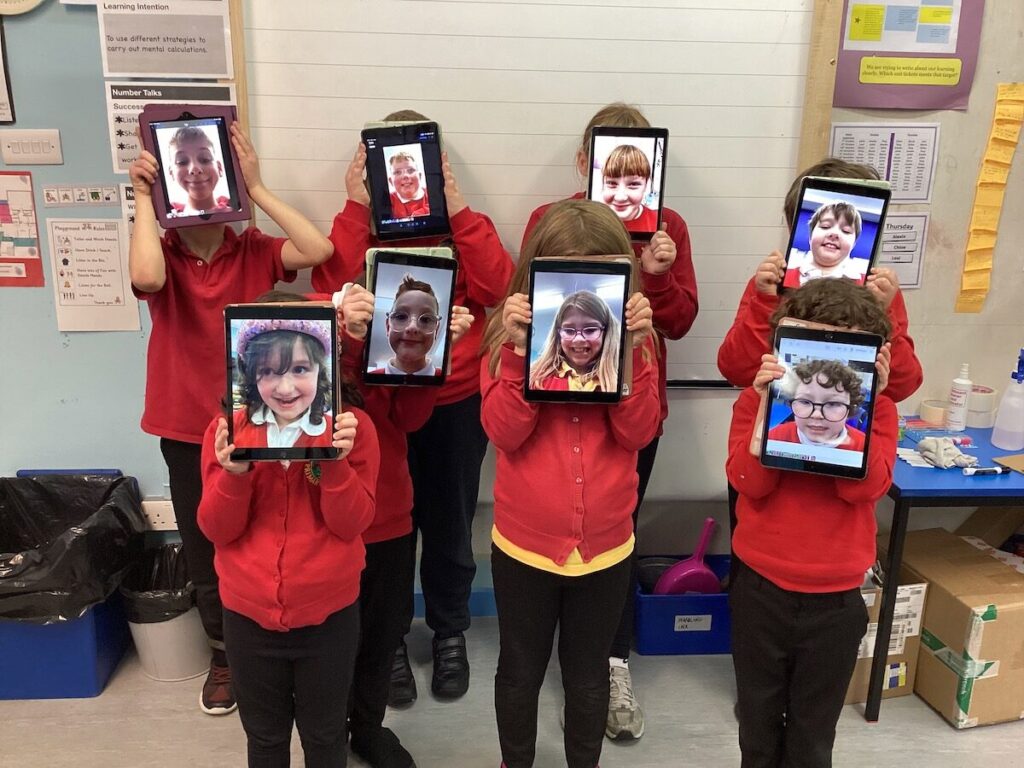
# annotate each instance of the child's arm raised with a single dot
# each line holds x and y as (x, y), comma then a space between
(306, 246)
(668, 279)
(636, 418)
(740, 354)
(146, 265)
(348, 485)
(224, 509)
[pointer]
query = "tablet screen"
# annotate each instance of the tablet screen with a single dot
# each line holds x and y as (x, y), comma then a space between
(403, 166)
(576, 341)
(837, 231)
(281, 381)
(819, 413)
(627, 173)
(408, 339)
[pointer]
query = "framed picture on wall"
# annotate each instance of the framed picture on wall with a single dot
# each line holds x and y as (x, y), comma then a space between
(6, 99)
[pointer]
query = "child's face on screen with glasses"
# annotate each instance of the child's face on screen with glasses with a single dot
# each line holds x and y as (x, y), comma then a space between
(412, 329)
(820, 412)
(581, 337)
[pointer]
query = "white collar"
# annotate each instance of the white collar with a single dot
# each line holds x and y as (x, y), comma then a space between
(835, 443)
(285, 438)
(427, 370)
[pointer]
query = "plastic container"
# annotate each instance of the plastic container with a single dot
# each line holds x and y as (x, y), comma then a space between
(1008, 430)
(959, 393)
(173, 650)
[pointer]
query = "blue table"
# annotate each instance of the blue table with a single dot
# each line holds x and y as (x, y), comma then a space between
(929, 487)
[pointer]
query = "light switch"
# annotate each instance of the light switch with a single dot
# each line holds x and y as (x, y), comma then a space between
(31, 147)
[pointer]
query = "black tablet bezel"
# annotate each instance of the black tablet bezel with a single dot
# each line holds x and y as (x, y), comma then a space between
(154, 116)
(589, 267)
(814, 466)
(593, 193)
(841, 187)
(375, 140)
(384, 256)
(296, 311)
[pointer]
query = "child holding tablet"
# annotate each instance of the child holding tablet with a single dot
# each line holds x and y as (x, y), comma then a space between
(582, 349)
(667, 279)
(822, 394)
(805, 542)
(564, 494)
(446, 482)
(186, 278)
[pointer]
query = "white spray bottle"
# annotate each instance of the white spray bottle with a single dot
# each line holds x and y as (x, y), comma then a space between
(956, 414)
(1008, 432)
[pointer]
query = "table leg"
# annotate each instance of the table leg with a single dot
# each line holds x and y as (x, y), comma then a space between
(897, 536)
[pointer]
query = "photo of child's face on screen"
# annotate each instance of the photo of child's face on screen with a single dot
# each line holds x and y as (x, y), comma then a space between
(406, 182)
(834, 236)
(818, 408)
(281, 392)
(410, 314)
(194, 166)
(626, 178)
(577, 321)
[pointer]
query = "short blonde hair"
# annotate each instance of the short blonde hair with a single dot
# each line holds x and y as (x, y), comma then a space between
(616, 115)
(626, 160)
(398, 156)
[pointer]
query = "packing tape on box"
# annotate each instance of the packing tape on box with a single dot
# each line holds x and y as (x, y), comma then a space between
(934, 411)
(982, 399)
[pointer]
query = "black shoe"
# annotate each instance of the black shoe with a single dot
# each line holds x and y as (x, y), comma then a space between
(402, 690)
(451, 667)
(381, 749)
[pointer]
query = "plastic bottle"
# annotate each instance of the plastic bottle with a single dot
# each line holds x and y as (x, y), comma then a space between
(956, 415)
(1008, 432)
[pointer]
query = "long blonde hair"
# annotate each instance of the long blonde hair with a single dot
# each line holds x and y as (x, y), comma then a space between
(606, 368)
(568, 228)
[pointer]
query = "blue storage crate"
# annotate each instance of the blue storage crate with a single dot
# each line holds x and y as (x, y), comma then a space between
(67, 660)
(692, 624)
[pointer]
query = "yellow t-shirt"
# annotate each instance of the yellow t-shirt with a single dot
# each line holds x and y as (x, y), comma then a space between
(574, 565)
(577, 383)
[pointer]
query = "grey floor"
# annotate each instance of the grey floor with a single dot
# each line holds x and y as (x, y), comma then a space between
(688, 699)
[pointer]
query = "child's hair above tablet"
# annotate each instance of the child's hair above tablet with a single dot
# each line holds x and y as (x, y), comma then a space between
(836, 303)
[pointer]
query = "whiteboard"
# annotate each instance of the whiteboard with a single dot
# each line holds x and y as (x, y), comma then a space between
(513, 84)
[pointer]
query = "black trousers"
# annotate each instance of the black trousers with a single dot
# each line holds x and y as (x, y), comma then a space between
(183, 467)
(624, 634)
(444, 460)
(385, 603)
(794, 655)
(301, 676)
(586, 611)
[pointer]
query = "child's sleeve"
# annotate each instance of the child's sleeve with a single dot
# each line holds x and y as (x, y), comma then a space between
(266, 251)
(507, 418)
(739, 357)
(224, 509)
(881, 457)
(348, 486)
(744, 470)
(905, 373)
(673, 294)
(351, 238)
(483, 259)
(635, 419)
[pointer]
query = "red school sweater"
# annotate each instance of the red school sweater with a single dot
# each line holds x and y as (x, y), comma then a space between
(288, 545)
(566, 473)
(485, 269)
(673, 294)
(805, 532)
(739, 357)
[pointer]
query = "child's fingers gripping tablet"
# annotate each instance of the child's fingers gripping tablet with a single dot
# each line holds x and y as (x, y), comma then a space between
(355, 184)
(456, 202)
(883, 364)
(769, 371)
(143, 172)
(224, 449)
(639, 318)
(516, 315)
(248, 162)
(461, 322)
(345, 433)
(356, 311)
(770, 273)
(659, 255)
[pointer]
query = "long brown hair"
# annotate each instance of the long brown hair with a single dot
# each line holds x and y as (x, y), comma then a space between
(568, 228)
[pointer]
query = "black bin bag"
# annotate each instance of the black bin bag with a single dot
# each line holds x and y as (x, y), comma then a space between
(66, 542)
(157, 588)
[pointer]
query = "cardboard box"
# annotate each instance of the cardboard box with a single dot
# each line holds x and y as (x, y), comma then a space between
(993, 525)
(971, 664)
(904, 643)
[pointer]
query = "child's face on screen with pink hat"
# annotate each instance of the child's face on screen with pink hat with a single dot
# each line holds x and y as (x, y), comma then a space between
(290, 393)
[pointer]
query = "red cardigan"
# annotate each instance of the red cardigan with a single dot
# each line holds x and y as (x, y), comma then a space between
(739, 357)
(673, 294)
(485, 269)
(566, 473)
(288, 545)
(805, 532)
(402, 210)
(786, 432)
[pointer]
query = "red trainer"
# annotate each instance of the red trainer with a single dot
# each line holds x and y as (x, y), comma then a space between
(217, 697)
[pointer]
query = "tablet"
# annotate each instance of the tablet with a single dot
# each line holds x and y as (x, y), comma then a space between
(577, 340)
(403, 172)
(818, 415)
(199, 179)
(627, 173)
(837, 231)
(409, 343)
(438, 251)
(282, 390)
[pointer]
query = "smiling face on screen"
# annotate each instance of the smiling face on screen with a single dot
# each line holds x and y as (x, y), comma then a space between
(288, 390)
(818, 400)
(405, 177)
(581, 338)
(197, 170)
(625, 195)
(412, 329)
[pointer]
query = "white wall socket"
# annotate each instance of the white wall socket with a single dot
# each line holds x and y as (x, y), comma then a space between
(31, 147)
(160, 513)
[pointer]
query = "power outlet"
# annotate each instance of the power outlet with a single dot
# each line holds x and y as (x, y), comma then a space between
(160, 514)
(31, 147)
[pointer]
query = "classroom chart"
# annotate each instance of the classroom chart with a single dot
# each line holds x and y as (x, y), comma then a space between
(20, 263)
(904, 154)
(903, 246)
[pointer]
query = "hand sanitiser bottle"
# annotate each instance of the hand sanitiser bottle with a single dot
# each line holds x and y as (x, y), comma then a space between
(956, 414)
(1008, 432)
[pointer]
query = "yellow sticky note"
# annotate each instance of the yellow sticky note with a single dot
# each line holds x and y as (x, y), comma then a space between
(978, 240)
(985, 217)
(866, 22)
(993, 173)
(989, 194)
(977, 280)
(1000, 151)
(1009, 111)
(970, 301)
(1010, 91)
(935, 14)
(1006, 130)
(978, 259)
(899, 70)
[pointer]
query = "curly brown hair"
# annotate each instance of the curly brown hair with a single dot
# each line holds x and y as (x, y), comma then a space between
(841, 303)
(832, 373)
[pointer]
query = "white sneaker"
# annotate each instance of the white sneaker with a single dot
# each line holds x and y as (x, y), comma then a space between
(625, 717)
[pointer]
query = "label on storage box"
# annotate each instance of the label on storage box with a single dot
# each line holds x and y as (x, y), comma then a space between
(897, 639)
(910, 607)
(693, 623)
